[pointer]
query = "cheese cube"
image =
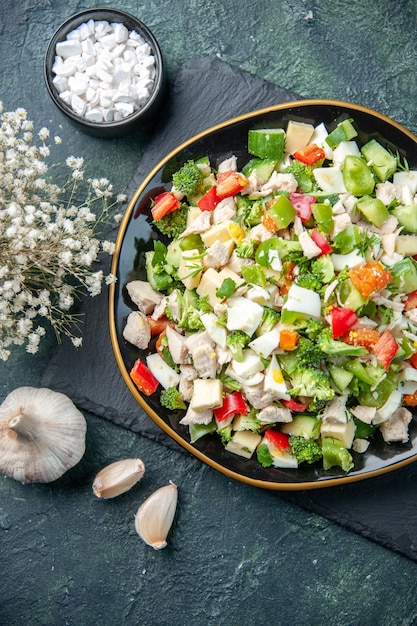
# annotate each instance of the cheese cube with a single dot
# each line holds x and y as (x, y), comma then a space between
(207, 394)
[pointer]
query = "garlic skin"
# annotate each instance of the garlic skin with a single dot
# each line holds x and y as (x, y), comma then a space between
(118, 477)
(42, 435)
(154, 517)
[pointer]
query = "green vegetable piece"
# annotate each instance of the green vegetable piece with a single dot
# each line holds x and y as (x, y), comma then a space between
(188, 179)
(191, 242)
(407, 217)
(304, 176)
(347, 241)
(332, 347)
(236, 341)
(362, 430)
(311, 382)
(359, 371)
(305, 450)
(282, 212)
(383, 163)
(264, 456)
(404, 276)
(350, 297)
(323, 268)
(201, 430)
(306, 426)
(267, 251)
(357, 176)
(156, 275)
(344, 131)
(373, 209)
(267, 143)
(340, 376)
(172, 399)
(378, 396)
(254, 275)
(323, 214)
(262, 167)
(226, 289)
(334, 455)
(174, 223)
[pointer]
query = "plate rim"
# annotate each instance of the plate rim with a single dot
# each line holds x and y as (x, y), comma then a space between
(269, 485)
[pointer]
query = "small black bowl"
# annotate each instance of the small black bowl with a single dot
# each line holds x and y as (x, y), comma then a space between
(140, 118)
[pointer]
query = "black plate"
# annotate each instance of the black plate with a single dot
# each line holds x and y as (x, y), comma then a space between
(136, 235)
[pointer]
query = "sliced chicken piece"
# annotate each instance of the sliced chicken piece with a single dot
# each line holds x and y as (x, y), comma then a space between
(217, 256)
(137, 330)
(205, 360)
(364, 413)
(177, 346)
(225, 210)
(257, 397)
(187, 374)
(197, 417)
(142, 294)
(274, 414)
(395, 428)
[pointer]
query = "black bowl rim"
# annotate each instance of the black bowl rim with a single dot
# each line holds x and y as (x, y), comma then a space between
(73, 22)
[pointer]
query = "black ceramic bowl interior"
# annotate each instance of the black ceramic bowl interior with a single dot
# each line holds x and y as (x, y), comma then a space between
(140, 118)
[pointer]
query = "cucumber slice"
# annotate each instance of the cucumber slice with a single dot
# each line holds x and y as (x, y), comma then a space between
(262, 167)
(267, 143)
(380, 160)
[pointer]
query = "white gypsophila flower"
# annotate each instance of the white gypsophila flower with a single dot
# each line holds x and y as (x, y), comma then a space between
(50, 235)
(110, 279)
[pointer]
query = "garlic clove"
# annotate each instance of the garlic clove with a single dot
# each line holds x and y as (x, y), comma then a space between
(42, 435)
(118, 477)
(154, 517)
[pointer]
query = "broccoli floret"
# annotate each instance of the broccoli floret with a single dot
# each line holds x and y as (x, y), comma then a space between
(311, 327)
(249, 213)
(333, 347)
(237, 340)
(189, 179)
(309, 281)
(323, 269)
(225, 434)
(172, 399)
(304, 176)
(305, 450)
(191, 320)
(311, 382)
(245, 249)
(174, 223)
(270, 318)
(308, 353)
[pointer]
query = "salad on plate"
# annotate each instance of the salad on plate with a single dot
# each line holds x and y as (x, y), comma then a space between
(279, 307)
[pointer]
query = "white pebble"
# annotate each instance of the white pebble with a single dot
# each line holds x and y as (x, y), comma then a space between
(103, 71)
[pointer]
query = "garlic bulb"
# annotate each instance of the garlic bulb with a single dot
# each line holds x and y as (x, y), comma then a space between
(42, 435)
(118, 477)
(154, 517)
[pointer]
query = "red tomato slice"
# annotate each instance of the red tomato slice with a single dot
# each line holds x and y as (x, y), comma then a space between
(342, 320)
(143, 378)
(209, 201)
(321, 242)
(164, 203)
(280, 441)
(310, 154)
(296, 407)
(233, 403)
(385, 349)
(229, 184)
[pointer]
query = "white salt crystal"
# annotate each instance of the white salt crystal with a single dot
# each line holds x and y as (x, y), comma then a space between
(68, 48)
